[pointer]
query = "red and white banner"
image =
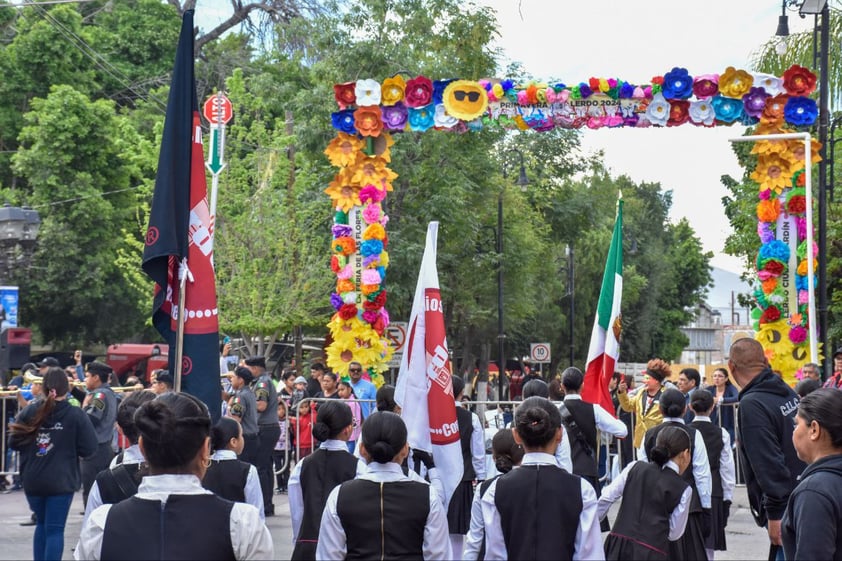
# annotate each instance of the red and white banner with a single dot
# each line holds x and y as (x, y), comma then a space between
(424, 389)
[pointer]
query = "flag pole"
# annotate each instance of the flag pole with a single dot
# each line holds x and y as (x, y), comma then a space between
(179, 334)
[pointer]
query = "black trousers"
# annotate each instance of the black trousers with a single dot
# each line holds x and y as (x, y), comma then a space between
(267, 436)
(249, 449)
(91, 466)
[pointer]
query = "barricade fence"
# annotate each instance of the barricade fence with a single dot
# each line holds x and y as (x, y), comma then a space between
(9, 464)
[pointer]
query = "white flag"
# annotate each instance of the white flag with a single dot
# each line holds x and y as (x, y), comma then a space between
(424, 389)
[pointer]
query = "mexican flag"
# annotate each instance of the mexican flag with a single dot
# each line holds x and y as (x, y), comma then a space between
(605, 337)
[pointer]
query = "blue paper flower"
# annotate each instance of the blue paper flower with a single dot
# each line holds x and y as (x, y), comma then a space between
(727, 109)
(626, 91)
(382, 270)
(343, 120)
(678, 84)
(422, 118)
(585, 90)
(438, 90)
(776, 249)
(371, 247)
(800, 111)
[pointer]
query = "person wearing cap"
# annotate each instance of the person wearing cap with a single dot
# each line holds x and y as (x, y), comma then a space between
(46, 363)
(299, 392)
(100, 404)
(645, 404)
(163, 382)
(268, 430)
(835, 381)
(243, 407)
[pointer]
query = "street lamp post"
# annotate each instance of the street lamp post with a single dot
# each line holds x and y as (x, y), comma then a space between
(522, 181)
(18, 232)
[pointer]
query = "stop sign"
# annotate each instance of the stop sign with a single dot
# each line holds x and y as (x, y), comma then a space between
(217, 109)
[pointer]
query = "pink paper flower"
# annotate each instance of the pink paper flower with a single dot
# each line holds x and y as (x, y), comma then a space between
(371, 276)
(371, 213)
(372, 193)
(765, 194)
(798, 334)
(803, 296)
(346, 272)
(522, 98)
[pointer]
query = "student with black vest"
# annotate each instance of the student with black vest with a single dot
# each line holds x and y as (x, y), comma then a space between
(227, 476)
(243, 407)
(176, 517)
(722, 471)
(382, 514)
(563, 454)
(268, 431)
(472, 440)
(122, 477)
(100, 404)
(539, 511)
(507, 455)
(317, 474)
(691, 546)
(656, 501)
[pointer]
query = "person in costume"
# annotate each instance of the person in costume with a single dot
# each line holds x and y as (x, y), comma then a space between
(176, 517)
(268, 431)
(691, 546)
(656, 501)
(722, 470)
(315, 476)
(227, 476)
(810, 527)
(383, 514)
(243, 407)
(521, 510)
(472, 440)
(644, 404)
(507, 455)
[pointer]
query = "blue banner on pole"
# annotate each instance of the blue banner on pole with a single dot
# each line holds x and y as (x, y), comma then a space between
(9, 303)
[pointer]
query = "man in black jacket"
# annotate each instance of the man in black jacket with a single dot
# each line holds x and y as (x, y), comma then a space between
(766, 419)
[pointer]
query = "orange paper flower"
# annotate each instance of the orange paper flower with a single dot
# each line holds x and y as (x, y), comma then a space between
(344, 195)
(769, 285)
(367, 120)
(768, 211)
(773, 113)
(375, 232)
(344, 285)
(373, 171)
(773, 172)
(344, 149)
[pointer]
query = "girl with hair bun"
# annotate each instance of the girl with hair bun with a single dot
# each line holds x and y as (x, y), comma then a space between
(227, 476)
(507, 455)
(383, 514)
(317, 474)
(51, 435)
(521, 510)
(177, 517)
(655, 503)
(699, 525)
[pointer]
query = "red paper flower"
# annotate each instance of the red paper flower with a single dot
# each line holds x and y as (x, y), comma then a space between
(774, 267)
(348, 311)
(419, 92)
(770, 315)
(379, 326)
(594, 84)
(658, 80)
(334, 264)
(796, 204)
(799, 81)
(345, 94)
(679, 112)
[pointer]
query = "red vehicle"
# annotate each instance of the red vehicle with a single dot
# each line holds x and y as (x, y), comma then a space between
(137, 359)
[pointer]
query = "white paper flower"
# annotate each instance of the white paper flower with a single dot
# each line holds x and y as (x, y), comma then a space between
(442, 119)
(367, 92)
(349, 297)
(702, 113)
(772, 84)
(658, 110)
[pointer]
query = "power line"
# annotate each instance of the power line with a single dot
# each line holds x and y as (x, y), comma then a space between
(76, 199)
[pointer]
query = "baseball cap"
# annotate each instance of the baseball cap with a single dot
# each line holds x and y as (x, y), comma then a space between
(300, 380)
(49, 361)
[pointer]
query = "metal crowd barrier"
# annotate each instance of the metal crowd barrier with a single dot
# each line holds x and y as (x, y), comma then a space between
(9, 464)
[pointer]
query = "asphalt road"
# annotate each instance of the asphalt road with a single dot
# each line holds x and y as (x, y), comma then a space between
(745, 540)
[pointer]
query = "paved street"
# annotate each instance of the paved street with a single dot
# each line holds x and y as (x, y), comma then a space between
(745, 540)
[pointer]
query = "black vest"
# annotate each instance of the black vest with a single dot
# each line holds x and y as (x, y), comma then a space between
(119, 483)
(227, 479)
(649, 443)
(466, 431)
(539, 508)
(185, 527)
(712, 435)
(383, 520)
(649, 497)
(321, 471)
(584, 463)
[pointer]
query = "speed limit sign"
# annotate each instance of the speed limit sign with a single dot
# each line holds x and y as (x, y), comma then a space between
(539, 352)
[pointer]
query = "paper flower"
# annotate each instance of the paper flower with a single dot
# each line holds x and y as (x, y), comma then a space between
(701, 113)
(367, 120)
(374, 232)
(773, 267)
(438, 90)
(335, 301)
(772, 172)
(391, 92)
(770, 315)
(677, 84)
(421, 118)
(799, 80)
(419, 92)
(764, 231)
(727, 109)
(658, 110)
(766, 147)
(754, 102)
(344, 245)
(772, 85)
(775, 249)
(371, 247)
(344, 94)
(442, 119)
(796, 152)
(373, 171)
(768, 211)
(773, 112)
(340, 217)
(371, 213)
(370, 193)
(367, 92)
(343, 149)
(395, 116)
(344, 197)
(796, 203)
(345, 272)
(341, 230)
(735, 83)
(798, 335)
(801, 111)
(679, 112)
(343, 121)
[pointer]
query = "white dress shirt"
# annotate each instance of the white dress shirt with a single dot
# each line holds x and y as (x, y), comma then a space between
(727, 470)
(605, 421)
(476, 530)
(679, 515)
(563, 454)
(254, 496)
(477, 446)
(701, 465)
(332, 539)
(131, 455)
(250, 538)
(296, 497)
(588, 543)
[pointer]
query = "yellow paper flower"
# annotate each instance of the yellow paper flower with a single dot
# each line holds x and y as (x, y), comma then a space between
(392, 90)
(373, 171)
(772, 172)
(796, 148)
(346, 330)
(344, 149)
(345, 196)
(520, 122)
(765, 147)
(735, 83)
(365, 347)
(603, 85)
(374, 231)
(384, 259)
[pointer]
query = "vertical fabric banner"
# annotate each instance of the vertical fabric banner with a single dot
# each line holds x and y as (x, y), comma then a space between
(604, 349)
(424, 389)
(179, 239)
